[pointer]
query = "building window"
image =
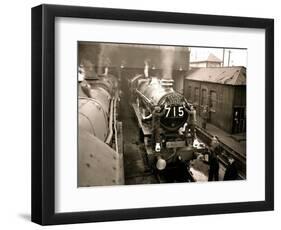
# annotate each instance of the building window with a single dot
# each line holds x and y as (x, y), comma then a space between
(196, 96)
(204, 97)
(213, 101)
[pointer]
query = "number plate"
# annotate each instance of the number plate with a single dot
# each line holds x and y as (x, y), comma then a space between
(175, 144)
(174, 111)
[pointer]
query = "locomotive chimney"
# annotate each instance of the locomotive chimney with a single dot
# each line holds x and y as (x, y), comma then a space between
(105, 70)
(146, 69)
(167, 83)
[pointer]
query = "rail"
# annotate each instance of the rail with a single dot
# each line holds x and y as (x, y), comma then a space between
(239, 158)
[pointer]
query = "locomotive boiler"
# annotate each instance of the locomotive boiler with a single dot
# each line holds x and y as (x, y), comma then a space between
(166, 120)
(100, 153)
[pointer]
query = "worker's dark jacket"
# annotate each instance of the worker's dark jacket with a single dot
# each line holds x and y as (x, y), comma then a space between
(213, 161)
(231, 172)
(214, 167)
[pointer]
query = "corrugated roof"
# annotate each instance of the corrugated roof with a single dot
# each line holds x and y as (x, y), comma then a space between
(222, 75)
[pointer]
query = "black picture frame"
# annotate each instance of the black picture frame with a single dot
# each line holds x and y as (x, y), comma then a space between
(43, 114)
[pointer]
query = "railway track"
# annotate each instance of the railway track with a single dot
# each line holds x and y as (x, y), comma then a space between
(135, 163)
(239, 158)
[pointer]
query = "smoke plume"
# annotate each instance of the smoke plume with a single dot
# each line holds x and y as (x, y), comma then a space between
(103, 59)
(167, 55)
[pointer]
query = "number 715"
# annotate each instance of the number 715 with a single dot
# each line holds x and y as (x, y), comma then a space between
(177, 111)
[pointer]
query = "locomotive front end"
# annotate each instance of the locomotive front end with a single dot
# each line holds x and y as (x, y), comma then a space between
(175, 115)
(165, 118)
(172, 106)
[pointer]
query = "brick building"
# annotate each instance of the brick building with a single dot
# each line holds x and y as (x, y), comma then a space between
(223, 91)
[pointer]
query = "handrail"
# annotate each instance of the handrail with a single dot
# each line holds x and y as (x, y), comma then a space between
(115, 123)
(110, 133)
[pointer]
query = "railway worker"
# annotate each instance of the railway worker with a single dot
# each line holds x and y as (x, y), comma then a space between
(215, 141)
(192, 121)
(156, 116)
(231, 172)
(236, 122)
(205, 117)
(213, 166)
(216, 146)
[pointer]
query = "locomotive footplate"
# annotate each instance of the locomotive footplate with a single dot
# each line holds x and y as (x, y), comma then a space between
(146, 130)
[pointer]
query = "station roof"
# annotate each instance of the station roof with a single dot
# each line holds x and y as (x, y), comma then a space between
(135, 55)
(235, 75)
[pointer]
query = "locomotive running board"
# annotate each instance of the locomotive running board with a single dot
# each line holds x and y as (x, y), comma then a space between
(146, 130)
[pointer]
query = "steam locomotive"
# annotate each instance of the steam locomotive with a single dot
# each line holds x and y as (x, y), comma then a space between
(100, 148)
(166, 121)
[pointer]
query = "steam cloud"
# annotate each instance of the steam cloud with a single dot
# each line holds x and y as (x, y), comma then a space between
(167, 56)
(103, 59)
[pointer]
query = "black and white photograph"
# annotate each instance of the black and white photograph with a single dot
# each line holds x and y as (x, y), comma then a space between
(140, 114)
(153, 114)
